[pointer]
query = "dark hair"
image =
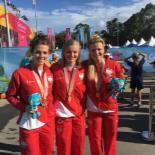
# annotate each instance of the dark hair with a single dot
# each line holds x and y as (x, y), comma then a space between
(67, 44)
(106, 47)
(40, 39)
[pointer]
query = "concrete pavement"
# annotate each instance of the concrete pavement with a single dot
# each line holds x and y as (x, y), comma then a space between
(132, 121)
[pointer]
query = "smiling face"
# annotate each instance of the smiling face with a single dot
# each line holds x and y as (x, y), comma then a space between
(40, 55)
(71, 54)
(96, 51)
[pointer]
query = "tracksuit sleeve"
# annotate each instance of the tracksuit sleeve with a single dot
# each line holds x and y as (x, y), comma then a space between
(12, 93)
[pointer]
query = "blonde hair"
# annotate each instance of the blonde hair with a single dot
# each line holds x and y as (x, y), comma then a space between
(91, 66)
(67, 44)
(95, 39)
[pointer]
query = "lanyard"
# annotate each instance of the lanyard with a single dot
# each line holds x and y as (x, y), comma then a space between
(69, 82)
(43, 88)
(98, 81)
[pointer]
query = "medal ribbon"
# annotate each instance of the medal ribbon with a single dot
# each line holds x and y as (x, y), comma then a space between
(69, 82)
(43, 88)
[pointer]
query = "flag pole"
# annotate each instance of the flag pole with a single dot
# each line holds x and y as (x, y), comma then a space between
(35, 14)
(7, 24)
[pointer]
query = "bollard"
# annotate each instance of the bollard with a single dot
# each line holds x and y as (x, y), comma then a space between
(150, 135)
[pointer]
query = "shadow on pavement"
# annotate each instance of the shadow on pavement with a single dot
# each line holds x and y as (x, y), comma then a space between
(7, 109)
(134, 137)
(8, 147)
(2, 153)
(137, 122)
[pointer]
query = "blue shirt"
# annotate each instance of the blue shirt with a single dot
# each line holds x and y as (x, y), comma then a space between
(136, 70)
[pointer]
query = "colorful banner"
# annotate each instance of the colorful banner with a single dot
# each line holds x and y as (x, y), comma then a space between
(81, 32)
(68, 35)
(20, 27)
(51, 35)
(17, 25)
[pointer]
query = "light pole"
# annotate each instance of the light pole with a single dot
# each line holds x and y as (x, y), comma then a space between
(35, 14)
(7, 24)
(118, 34)
(118, 28)
(91, 31)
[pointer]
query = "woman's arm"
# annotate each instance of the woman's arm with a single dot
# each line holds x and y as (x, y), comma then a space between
(126, 59)
(143, 55)
(12, 94)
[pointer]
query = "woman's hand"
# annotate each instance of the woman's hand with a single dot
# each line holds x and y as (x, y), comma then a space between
(30, 110)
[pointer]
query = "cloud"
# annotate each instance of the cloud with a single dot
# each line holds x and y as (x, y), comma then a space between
(96, 14)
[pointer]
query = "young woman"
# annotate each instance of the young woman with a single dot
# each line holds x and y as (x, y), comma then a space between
(69, 99)
(136, 75)
(102, 107)
(30, 85)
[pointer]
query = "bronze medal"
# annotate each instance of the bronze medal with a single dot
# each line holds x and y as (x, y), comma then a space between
(43, 88)
(69, 83)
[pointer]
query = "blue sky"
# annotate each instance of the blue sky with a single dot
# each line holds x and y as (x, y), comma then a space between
(59, 14)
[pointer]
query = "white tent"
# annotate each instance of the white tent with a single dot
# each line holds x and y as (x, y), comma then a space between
(127, 43)
(110, 46)
(141, 42)
(134, 42)
(151, 42)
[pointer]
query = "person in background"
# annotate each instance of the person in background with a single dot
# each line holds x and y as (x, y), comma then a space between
(102, 107)
(26, 60)
(69, 100)
(55, 58)
(2, 95)
(136, 75)
(3, 82)
(107, 54)
(106, 49)
(32, 85)
(153, 63)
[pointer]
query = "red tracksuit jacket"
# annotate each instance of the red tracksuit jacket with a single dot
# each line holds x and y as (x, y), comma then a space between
(23, 84)
(104, 102)
(77, 103)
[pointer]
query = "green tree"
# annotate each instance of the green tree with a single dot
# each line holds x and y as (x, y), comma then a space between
(59, 37)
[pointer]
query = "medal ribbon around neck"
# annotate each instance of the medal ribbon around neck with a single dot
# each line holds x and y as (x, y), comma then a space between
(69, 82)
(43, 88)
(98, 80)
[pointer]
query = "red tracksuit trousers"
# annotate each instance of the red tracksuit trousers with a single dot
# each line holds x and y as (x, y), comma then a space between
(70, 135)
(102, 129)
(38, 141)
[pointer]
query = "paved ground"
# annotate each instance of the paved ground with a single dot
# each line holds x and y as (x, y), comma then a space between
(132, 121)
